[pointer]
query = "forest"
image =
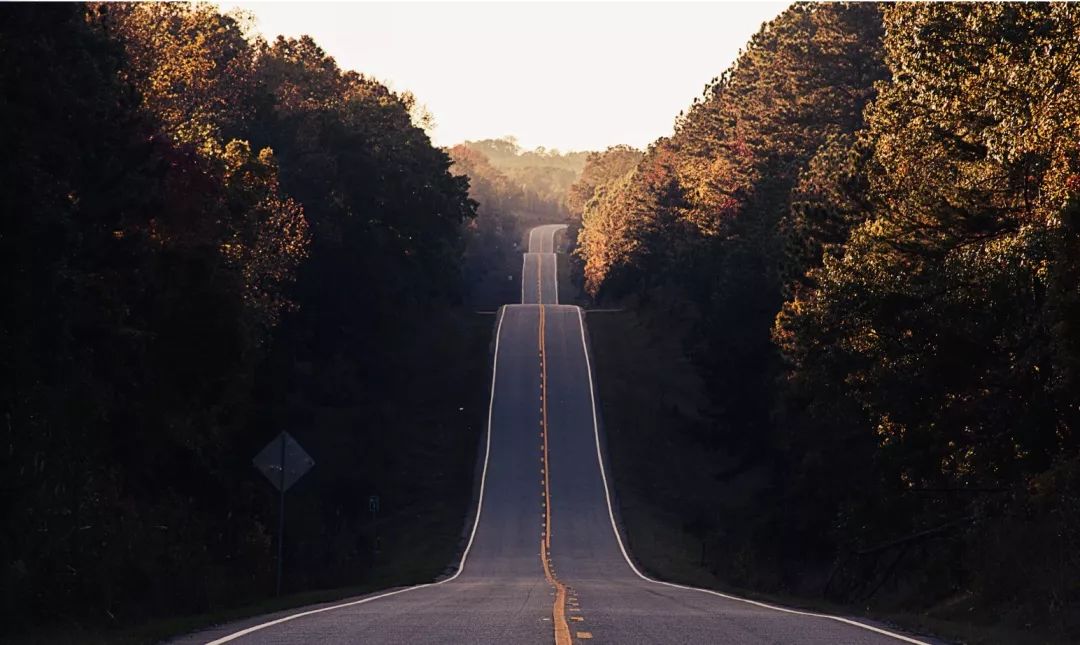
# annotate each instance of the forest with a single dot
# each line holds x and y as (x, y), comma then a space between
(866, 236)
(536, 181)
(208, 239)
(845, 291)
(515, 189)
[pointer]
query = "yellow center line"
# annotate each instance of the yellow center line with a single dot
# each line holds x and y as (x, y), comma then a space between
(543, 430)
(539, 284)
(558, 612)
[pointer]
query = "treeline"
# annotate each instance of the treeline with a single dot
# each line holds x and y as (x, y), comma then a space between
(604, 174)
(208, 239)
(867, 233)
(514, 189)
(536, 181)
(494, 237)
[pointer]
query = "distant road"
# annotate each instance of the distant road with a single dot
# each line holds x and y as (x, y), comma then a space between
(542, 238)
(545, 562)
(539, 284)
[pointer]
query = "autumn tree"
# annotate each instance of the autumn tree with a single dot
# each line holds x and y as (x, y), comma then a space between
(143, 277)
(941, 313)
(195, 75)
(725, 180)
(544, 175)
(601, 168)
(190, 64)
(207, 240)
(892, 192)
(492, 238)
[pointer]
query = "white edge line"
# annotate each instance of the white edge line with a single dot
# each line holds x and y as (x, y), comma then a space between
(626, 556)
(555, 273)
(532, 232)
(464, 556)
(543, 228)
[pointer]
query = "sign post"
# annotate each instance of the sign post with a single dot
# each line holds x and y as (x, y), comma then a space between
(283, 462)
(373, 506)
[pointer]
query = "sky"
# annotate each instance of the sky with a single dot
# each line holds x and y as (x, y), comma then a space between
(570, 76)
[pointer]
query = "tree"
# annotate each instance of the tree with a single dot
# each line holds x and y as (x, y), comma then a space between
(937, 313)
(207, 239)
(601, 168)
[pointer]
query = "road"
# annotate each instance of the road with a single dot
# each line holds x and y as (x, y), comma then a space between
(545, 562)
(538, 269)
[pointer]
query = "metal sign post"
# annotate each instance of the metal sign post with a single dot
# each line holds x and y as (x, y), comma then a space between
(283, 462)
(373, 506)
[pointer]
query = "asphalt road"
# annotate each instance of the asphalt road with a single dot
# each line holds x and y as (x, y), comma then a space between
(542, 238)
(545, 562)
(538, 278)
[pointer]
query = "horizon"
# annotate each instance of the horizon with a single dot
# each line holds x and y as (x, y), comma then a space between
(623, 93)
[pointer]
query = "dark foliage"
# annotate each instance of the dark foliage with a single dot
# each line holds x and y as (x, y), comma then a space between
(867, 230)
(205, 241)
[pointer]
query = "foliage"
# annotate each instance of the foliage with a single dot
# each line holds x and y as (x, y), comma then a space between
(545, 176)
(207, 240)
(600, 168)
(884, 299)
(941, 314)
(492, 239)
(514, 189)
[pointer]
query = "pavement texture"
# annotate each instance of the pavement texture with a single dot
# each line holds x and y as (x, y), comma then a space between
(545, 563)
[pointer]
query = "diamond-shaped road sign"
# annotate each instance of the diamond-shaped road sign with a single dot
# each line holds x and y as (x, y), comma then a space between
(283, 461)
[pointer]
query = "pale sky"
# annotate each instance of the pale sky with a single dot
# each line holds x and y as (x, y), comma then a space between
(572, 76)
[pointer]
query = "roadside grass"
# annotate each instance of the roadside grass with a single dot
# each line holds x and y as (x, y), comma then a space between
(569, 292)
(654, 412)
(162, 630)
(424, 469)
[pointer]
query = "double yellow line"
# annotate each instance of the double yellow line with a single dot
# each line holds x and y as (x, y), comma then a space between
(539, 283)
(558, 614)
(544, 434)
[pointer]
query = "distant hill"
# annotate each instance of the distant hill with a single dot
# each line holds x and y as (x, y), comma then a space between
(543, 175)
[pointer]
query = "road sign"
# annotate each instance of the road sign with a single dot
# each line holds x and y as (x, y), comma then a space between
(373, 503)
(283, 461)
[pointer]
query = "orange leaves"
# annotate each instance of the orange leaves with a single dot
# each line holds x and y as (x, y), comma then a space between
(268, 236)
(191, 65)
(196, 74)
(601, 168)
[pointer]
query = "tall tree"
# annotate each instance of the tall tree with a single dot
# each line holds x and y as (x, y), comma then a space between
(206, 240)
(941, 314)
(600, 168)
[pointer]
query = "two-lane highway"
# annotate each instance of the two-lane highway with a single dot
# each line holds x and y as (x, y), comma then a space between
(613, 602)
(542, 238)
(545, 562)
(539, 284)
(499, 593)
(539, 273)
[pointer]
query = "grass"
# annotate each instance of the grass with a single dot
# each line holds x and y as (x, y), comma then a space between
(569, 293)
(424, 470)
(164, 629)
(655, 410)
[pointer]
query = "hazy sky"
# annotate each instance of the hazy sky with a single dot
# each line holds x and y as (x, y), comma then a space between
(573, 76)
